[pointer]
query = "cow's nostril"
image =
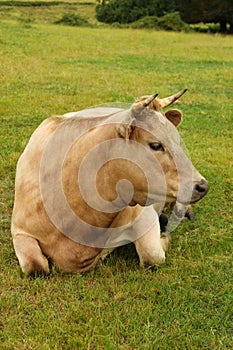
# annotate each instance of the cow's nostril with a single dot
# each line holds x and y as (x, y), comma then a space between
(202, 187)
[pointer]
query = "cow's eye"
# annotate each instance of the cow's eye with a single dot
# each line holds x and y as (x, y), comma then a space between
(156, 146)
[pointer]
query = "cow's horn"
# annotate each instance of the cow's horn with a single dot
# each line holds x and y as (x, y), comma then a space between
(149, 99)
(164, 102)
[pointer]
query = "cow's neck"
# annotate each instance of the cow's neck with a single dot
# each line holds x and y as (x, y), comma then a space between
(91, 210)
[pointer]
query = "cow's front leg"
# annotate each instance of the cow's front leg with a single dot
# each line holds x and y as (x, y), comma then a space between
(29, 254)
(105, 252)
(151, 247)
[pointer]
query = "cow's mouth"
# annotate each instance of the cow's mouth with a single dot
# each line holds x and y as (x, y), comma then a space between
(200, 190)
(186, 197)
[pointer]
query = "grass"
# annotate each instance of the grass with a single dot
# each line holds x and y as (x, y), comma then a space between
(47, 11)
(186, 304)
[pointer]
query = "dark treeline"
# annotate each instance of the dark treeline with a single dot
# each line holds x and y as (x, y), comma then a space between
(217, 11)
(191, 11)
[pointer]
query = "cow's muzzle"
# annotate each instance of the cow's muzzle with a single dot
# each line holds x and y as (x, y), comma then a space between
(200, 190)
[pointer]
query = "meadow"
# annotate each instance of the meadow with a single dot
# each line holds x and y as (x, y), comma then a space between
(48, 69)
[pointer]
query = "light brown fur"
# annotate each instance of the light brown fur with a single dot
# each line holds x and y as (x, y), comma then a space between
(35, 237)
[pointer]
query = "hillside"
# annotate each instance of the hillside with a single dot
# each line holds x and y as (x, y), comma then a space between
(46, 11)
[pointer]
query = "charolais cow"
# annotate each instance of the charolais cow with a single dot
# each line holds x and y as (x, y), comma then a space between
(177, 211)
(87, 183)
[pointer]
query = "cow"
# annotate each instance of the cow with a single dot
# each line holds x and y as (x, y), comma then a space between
(88, 182)
(176, 211)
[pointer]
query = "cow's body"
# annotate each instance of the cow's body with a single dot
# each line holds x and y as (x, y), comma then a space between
(58, 215)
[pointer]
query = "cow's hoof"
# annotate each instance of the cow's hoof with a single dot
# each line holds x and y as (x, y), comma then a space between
(153, 261)
(190, 214)
(166, 240)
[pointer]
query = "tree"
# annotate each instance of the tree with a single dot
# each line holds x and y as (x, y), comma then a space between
(217, 11)
(127, 11)
(191, 11)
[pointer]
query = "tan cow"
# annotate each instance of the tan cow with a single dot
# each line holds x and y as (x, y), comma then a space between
(87, 182)
(177, 211)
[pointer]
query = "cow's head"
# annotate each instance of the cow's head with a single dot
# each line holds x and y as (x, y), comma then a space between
(169, 168)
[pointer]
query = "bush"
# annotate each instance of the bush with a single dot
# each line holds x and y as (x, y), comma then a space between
(119, 11)
(128, 11)
(71, 19)
(206, 27)
(172, 21)
(148, 22)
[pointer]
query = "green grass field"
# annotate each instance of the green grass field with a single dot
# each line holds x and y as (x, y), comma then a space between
(48, 69)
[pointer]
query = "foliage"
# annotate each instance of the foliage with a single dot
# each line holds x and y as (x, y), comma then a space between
(30, 12)
(171, 21)
(123, 11)
(218, 11)
(193, 11)
(147, 22)
(205, 27)
(71, 19)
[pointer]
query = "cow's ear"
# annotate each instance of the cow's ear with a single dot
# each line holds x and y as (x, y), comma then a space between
(174, 116)
(125, 130)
